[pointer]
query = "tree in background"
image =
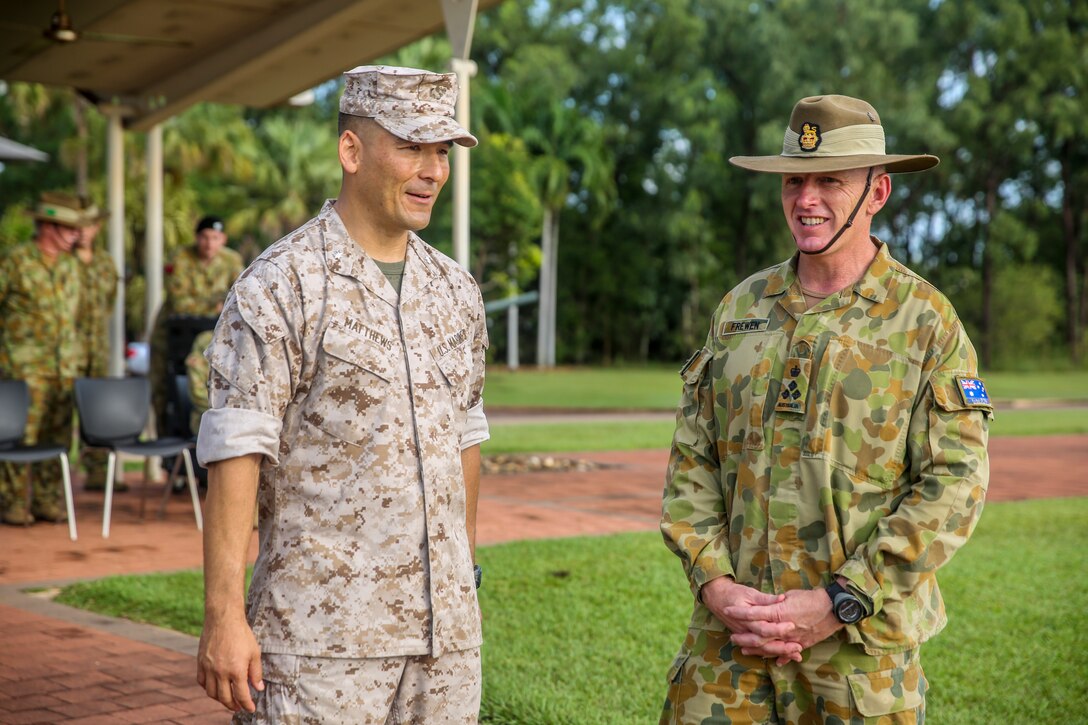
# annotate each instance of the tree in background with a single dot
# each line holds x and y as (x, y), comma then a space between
(613, 120)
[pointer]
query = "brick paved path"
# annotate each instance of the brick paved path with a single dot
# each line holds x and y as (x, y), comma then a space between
(63, 665)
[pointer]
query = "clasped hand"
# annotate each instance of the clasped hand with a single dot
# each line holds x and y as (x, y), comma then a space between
(781, 626)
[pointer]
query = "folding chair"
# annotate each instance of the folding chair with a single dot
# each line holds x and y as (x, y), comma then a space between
(14, 408)
(113, 412)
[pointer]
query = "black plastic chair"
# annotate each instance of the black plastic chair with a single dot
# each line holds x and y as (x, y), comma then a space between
(113, 413)
(14, 408)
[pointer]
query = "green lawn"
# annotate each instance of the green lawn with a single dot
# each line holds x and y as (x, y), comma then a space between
(582, 630)
(659, 387)
(613, 388)
(565, 437)
(638, 434)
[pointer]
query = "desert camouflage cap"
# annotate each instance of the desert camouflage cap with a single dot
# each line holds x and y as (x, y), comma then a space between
(416, 105)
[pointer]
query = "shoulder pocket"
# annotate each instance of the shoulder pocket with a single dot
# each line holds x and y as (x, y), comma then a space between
(693, 369)
(259, 309)
(955, 392)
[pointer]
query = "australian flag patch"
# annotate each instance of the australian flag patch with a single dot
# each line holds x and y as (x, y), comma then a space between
(973, 391)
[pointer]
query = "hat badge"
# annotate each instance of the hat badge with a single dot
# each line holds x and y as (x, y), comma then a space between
(809, 139)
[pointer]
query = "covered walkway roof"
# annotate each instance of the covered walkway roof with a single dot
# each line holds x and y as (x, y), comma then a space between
(143, 61)
(154, 58)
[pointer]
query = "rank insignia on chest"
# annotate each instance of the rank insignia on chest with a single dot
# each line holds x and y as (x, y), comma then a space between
(791, 396)
(973, 391)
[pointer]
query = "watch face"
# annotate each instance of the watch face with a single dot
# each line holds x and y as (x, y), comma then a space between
(849, 610)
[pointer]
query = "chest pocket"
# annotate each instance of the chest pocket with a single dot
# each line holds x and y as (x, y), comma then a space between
(351, 386)
(747, 360)
(456, 368)
(865, 395)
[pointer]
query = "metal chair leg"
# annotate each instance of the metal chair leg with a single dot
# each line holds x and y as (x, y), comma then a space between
(29, 491)
(110, 464)
(192, 489)
(67, 475)
(169, 487)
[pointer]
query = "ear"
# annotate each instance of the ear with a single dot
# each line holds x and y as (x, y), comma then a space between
(350, 151)
(881, 192)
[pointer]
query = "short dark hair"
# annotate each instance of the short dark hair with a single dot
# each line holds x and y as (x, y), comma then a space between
(355, 124)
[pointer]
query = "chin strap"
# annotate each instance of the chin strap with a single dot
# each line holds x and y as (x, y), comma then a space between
(850, 221)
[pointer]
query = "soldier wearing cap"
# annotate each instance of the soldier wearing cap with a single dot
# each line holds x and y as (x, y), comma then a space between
(346, 378)
(39, 295)
(829, 455)
(197, 281)
(97, 291)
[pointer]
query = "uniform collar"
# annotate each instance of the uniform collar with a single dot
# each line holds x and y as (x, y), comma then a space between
(344, 256)
(873, 285)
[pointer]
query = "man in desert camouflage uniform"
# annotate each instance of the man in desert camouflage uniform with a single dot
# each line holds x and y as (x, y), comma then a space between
(829, 456)
(197, 281)
(97, 291)
(39, 293)
(346, 395)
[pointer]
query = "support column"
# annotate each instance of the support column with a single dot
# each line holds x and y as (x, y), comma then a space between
(115, 175)
(460, 16)
(512, 353)
(465, 70)
(153, 253)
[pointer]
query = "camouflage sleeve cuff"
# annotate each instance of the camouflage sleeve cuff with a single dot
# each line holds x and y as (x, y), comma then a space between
(711, 563)
(233, 432)
(863, 585)
(474, 429)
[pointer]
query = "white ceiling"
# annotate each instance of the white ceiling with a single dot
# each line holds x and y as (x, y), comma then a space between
(250, 52)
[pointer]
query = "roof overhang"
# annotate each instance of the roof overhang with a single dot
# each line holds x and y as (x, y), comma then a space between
(257, 53)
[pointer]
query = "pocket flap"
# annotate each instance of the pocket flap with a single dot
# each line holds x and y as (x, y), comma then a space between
(678, 666)
(692, 371)
(955, 392)
(357, 351)
(886, 691)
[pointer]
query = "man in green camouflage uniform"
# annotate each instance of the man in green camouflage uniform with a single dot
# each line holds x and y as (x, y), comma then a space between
(197, 282)
(829, 456)
(39, 293)
(98, 289)
(196, 368)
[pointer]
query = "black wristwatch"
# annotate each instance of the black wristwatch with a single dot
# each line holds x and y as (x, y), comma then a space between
(478, 574)
(847, 608)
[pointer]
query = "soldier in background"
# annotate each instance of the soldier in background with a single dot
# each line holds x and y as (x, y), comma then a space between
(39, 295)
(197, 281)
(829, 456)
(98, 290)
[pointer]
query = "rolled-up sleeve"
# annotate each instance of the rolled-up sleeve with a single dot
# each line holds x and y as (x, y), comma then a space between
(253, 360)
(474, 430)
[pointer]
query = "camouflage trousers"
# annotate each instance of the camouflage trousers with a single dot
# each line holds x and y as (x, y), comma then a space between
(49, 420)
(711, 683)
(392, 690)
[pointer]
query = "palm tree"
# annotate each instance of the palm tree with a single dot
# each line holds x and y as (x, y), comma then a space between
(570, 163)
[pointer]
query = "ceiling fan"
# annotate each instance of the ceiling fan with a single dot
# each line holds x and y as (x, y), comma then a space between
(61, 31)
